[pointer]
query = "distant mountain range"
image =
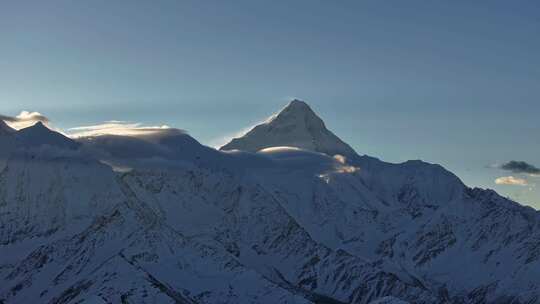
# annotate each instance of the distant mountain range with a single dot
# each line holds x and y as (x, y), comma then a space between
(287, 213)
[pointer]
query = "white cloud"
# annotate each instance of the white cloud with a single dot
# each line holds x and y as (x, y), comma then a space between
(511, 180)
(24, 119)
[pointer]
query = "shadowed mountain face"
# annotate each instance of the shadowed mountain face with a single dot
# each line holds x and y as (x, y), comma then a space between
(287, 224)
(295, 126)
(5, 129)
(39, 134)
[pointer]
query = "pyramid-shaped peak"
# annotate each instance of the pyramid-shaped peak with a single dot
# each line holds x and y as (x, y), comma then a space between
(39, 125)
(298, 104)
(296, 125)
(297, 113)
(39, 134)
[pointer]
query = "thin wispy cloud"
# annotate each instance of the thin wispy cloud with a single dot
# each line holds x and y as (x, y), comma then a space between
(115, 127)
(225, 139)
(24, 119)
(511, 180)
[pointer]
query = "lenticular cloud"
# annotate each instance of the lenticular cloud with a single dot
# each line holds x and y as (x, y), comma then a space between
(511, 180)
(119, 128)
(24, 119)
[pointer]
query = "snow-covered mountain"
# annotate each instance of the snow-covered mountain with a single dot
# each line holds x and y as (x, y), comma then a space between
(284, 221)
(297, 126)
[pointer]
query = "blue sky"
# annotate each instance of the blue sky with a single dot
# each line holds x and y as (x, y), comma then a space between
(450, 82)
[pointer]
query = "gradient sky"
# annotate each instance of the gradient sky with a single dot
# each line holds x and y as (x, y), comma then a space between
(450, 82)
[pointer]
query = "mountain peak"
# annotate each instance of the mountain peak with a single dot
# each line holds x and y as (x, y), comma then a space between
(39, 134)
(297, 103)
(299, 114)
(39, 124)
(37, 127)
(297, 125)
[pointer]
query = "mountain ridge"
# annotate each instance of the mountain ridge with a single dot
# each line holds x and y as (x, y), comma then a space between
(39, 134)
(287, 225)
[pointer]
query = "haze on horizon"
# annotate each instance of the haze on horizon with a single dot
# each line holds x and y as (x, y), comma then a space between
(451, 83)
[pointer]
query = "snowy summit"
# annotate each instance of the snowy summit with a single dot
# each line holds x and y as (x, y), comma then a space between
(295, 126)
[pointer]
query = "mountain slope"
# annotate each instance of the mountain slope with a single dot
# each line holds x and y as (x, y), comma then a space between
(7, 143)
(5, 129)
(418, 219)
(73, 230)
